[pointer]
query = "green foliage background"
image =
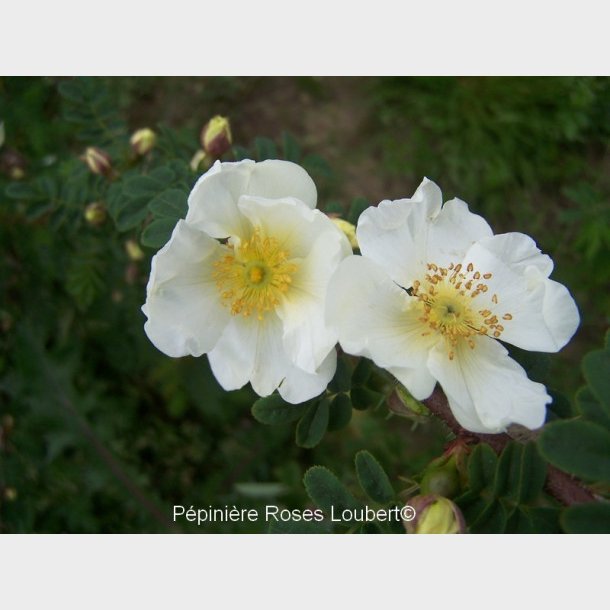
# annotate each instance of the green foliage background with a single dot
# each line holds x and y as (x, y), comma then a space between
(99, 432)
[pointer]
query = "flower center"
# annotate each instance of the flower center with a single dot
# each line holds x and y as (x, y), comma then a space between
(448, 307)
(253, 276)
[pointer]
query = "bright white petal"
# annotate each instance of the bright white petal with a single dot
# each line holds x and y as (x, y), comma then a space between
(212, 204)
(296, 226)
(518, 251)
(404, 236)
(525, 296)
(485, 386)
(213, 200)
(275, 179)
(307, 339)
(418, 381)
(299, 386)
(183, 308)
(391, 234)
(250, 350)
(452, 232)
(374, 317)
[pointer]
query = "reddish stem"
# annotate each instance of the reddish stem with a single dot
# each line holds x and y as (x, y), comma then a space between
(565, 488)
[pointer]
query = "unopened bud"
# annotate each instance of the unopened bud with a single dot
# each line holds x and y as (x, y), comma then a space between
(143, 141)
(10, 494)
(97, 161)
(348, 229)
(95, 214)
(13, 164)
(443, 481)
(200, 161)
(134, 252)
(216, 138)
(1, 133)
(435, 515)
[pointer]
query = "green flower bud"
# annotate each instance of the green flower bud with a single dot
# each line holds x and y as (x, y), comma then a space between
(435, 515)
(216, 138)
(143, 141)
(95, 214)
(442, 481)
(97, 161)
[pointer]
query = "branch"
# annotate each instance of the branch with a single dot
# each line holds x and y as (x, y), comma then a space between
(565, 488)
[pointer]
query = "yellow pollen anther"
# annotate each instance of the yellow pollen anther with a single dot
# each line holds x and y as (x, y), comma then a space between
(446, 296)
(253, 276)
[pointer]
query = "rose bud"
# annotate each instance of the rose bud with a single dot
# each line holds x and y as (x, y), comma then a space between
(143, 141)
(95, 214)
(435, 515)
(97, 161)
(216, 136)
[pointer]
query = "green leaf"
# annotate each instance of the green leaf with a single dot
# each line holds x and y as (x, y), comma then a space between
(481, 467)
(21, 190)
(327, 492)
(259, 490)
(520, 473)
(340, 412)
(492, 520)
(273, 410)
(590, 518)
(240, 153)
(158, 232)
(312, 426)
(292, 150)
(363, 398)
(315, 164)
(131, 214)
(265, 149)
(578, 447)
(362, 372)
(342, 380)
(359, 204)
(591, 409)
(596, 369)
(373, 479)
(171, 203)
(148, 186)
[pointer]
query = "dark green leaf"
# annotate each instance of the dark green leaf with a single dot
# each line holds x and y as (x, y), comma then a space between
(363, 398)
(591, 518)
(158, 232)
(481, 467)
(273, 410)
(340, 412)
(591, 409)
(312, 426)
(316, 165)
(21, 190)
(362, 372)
(520, 473)
(292, 150)
(265, 149)
(341, 382)
(359, 204)
(240, 153)
(170, 203)
(492, 520)
(373, 479)
(579, 447)
(327, 492)
(596, 368)
(131, 214)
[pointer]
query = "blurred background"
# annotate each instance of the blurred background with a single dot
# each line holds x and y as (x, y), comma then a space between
(99, 432)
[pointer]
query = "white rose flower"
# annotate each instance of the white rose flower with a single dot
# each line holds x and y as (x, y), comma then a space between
(433, 293)
(243, 279)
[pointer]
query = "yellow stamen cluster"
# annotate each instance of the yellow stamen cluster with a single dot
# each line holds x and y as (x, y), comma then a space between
(446, 295)
(254, 275)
